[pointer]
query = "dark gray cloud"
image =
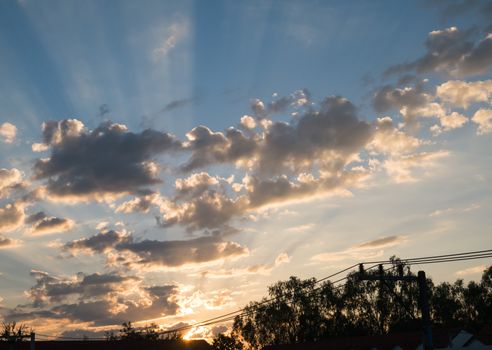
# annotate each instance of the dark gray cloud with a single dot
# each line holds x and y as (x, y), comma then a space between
(100, 312)
(210, 147)
(98, 243)
(382, 242)
(212, 206)
(107, 160)
(333, 128)
(100, 299)
(322, 141)
(44, 224)
(319, 136)
(178, 104)
(49, 289)
(158, 253)
(452, 51)
(390, 97)
(178, 253)
(103, 110)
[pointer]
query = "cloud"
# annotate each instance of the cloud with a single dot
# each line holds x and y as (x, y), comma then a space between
(95, 299)
(11, 217)
(43, 224)
(366, 250)
(6, 243)
(462, 94)
(401, 169)
(453, 52)
(382, 242)
(256, 269)
(98, 243)
(9, 179)
(389, 97)
(301, 228)
(391, 141)
(8, 132)
(206, 203)
(448, 122)
(326, 136)
(183, 252)
(140, 204)
(153, 253)
(105, 162)
(471, 271)
(210, 147)
(178, 104)
(483, 117)
(54, 289)
(469, 208)
(248, 122)
(415, 102)
(175, 32)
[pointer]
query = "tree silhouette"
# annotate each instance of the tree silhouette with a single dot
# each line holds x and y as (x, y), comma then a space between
(299, 311)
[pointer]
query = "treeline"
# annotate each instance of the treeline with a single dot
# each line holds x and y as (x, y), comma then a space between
(298, 311)
(148, 332)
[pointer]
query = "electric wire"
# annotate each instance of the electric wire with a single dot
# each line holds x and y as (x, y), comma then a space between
(434, 259)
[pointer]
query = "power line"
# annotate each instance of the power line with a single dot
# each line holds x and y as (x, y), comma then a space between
(251, 309)
(479, 253)
(473, 255)
(434, 259)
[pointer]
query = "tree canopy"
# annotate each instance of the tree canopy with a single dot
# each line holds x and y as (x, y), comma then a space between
(297, 311)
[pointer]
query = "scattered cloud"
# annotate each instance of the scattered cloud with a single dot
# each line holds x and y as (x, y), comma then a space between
(153, 253)
(301, 228)
(95, 164)
(453, 52)
(6, 243)
(401, 169)
(95, 299)
(9, 179)
(43, 224)
(11, 217)
(390, 140)
(383, 242)
(483, 117)
(178, 104)
(174, 33)
(467, 209)
(471, 271)
(366, 250)
(256, 269)
(8, 132)
(462, 94)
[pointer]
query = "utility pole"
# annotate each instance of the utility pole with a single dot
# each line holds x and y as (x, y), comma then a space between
(33, 341)
(423, 295)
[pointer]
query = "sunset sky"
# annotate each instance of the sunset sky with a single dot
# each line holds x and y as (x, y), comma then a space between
(166, 161)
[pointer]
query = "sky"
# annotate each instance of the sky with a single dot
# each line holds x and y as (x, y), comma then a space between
(166, 161)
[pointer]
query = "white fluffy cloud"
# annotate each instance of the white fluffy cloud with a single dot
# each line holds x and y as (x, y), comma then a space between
(483, 117)
(462, 94)
(8, 132)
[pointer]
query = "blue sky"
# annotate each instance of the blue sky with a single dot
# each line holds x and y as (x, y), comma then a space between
(187, 154)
